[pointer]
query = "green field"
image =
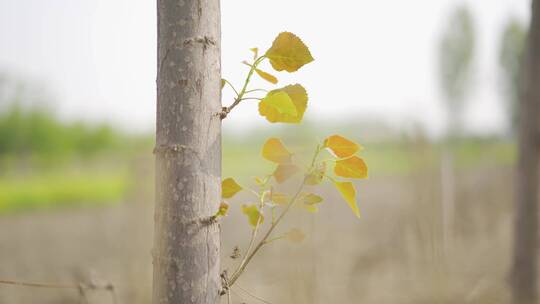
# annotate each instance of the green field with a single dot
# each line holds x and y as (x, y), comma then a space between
(46, 191)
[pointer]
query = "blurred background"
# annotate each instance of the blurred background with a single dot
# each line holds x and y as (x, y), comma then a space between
(428, 87)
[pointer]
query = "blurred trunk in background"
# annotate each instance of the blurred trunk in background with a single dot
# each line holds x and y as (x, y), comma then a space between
(524, 272)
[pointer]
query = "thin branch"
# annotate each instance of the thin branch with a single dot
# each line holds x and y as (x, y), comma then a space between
(253, 295)
(230, 84)
(250, 98)
(238, 294)
(248, 258)
(262, 242)
(40, 285)
(255, 90)
(252, 240)
(80, 287)
(226, 110)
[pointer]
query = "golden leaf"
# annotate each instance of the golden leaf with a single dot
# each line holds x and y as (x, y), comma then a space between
(284, 171)
(229, 188)
(288, 53)
(267, 76)
(264, 75)
(279, 102)
(352, 167)
(253, 214)
(255, 52)
(299, 98)
(274, 151)
(340, 146)
(347, 191)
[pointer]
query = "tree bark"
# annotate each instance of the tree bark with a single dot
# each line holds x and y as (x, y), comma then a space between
(188, 153)
(524, 271)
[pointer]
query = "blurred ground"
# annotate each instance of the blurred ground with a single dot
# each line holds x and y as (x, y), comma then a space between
(393, 254)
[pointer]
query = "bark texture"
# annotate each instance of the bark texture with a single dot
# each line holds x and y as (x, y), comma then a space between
(524, 272)
(188, 153)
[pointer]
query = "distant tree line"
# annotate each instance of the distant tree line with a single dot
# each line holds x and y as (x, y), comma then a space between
(37, 131)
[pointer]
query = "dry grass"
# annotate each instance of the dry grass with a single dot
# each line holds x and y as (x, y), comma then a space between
(394, 254)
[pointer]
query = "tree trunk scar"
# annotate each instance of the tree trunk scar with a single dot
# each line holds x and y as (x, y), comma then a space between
(204, 40)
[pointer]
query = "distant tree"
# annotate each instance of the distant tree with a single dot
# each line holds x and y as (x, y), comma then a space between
(524, 268)
(456, 50)
(511, 49)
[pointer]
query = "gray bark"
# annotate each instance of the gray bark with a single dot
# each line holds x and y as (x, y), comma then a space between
(524, 271)
(188, 153)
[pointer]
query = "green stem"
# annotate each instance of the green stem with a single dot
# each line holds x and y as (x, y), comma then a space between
(240, 95)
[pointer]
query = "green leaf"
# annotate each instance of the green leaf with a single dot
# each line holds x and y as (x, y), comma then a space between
(284, 171)
(347, 191)
(253, 214)
(274, 151)
(288, 53)
(352, 167)
(223, 210)
(229, 188)
(223, 82)
(299, 98)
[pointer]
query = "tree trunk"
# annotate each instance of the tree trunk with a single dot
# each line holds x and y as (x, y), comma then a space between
(524, 272)
(188, 153)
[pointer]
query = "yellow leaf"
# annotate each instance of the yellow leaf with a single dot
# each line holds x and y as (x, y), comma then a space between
(279, 102)
(280, 198)
(274, 151)
(264, 75)
(347, 191)
(253, 214)
(255, 52)
(229, 188)
(223, 209)
(284, 171)
(340, 146)
(311, 208)
(315, 177)
(295, 235)
(310, 202)
(267, 76)
(288, 53)
(223, 81)
(258, 181)
(312, 199)
(297, 94)
(352, 167)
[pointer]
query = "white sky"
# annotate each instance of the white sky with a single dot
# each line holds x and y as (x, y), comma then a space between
(374, 59)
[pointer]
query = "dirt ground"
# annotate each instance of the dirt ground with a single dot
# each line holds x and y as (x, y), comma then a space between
(394, 254)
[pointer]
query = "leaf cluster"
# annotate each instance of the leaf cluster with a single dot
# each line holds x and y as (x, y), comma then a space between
(269, 205)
